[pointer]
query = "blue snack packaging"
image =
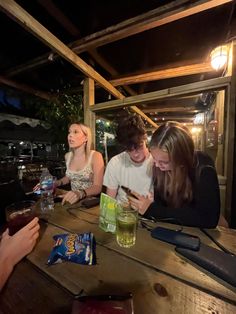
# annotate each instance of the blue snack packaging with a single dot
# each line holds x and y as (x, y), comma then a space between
(73, 247)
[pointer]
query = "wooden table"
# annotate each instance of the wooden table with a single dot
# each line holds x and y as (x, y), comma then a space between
(160, 280)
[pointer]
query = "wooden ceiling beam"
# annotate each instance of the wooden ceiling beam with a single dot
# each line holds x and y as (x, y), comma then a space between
(183, 90)
(109, 68)
(162, 15)
(14, 11)
(164, 74)
(165, 14)
(58, 15)
(170, 109)
(25, 88)
(142, 114)
(72, 29)
(175, 117)
(17, 13)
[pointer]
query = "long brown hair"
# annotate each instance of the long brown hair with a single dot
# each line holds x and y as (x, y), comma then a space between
(174, 186)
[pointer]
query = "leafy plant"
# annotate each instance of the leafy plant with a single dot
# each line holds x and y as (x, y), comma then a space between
(60, 112)
(103, 127)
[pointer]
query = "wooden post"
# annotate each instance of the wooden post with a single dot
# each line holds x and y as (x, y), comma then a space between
(89, 116)
(220, 117)
(230, 139)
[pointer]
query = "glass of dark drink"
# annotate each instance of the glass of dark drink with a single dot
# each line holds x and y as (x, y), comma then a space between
(19, 214)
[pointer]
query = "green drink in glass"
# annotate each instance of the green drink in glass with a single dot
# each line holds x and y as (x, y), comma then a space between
(126, 225)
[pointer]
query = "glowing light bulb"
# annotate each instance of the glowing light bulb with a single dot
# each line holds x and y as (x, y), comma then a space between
(219, 57)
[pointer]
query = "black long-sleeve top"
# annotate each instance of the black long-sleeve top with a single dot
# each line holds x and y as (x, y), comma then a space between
(204, 209)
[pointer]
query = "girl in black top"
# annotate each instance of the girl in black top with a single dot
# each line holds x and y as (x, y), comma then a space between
(186, 187)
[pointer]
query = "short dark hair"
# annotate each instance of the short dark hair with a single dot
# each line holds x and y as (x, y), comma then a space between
(131, 131)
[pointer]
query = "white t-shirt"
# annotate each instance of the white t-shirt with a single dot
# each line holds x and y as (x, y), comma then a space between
(121, 170)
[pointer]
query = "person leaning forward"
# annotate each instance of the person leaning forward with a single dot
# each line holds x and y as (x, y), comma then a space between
(185, 181)
(133, 167)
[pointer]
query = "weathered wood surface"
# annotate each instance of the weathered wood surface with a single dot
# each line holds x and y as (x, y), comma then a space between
(153, 291)
(151, 252)
(29, 291)
(225, 236)
(163, 74)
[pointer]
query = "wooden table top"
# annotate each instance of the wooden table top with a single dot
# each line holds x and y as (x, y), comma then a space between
(160, 280)
(151, 252)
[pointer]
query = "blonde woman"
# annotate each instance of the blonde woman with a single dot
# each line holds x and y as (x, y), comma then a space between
(84, 167)
(185, 181)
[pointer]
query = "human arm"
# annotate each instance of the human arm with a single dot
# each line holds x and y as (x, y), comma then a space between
(110, 179)
(202, 212)
(14, 248)
(98, 171)
(111, 192)
(63, 181)
(96, 187)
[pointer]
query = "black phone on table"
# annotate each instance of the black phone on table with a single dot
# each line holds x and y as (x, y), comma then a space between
(91, 201)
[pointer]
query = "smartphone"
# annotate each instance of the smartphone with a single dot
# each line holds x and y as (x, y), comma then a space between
(37, 192)
(91, 201)
(128, 191)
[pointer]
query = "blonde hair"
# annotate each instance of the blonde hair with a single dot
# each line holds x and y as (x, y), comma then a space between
(87, 132)
(175, 186)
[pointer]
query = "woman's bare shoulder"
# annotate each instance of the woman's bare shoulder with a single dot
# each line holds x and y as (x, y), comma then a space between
(97, 156)
(67, 155)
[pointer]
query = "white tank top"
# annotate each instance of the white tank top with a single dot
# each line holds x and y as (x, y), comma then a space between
(83, 178)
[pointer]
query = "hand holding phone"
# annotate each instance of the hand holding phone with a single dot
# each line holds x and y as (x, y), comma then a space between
(128, 191)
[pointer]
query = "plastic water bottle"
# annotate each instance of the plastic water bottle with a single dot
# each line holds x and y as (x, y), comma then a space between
(46, 187)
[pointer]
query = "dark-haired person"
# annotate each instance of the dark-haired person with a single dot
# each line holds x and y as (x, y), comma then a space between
(185, 181)
(133, 167)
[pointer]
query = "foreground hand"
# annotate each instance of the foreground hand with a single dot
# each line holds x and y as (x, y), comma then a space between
(141, 203)
(71, 197)
(15, 247)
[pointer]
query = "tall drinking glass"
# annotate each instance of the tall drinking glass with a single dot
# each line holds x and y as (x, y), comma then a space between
(126, 225)
(19, 214)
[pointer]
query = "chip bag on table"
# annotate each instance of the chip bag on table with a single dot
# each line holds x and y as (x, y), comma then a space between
(73, 247)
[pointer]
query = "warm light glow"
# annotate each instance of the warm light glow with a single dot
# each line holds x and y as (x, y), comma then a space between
(195, 130)
(199, 118)
(219, 57)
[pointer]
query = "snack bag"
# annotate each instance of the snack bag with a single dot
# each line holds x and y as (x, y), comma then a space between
(73, 247)
(107, 219)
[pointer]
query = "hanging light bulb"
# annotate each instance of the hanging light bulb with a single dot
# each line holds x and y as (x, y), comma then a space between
(219, 57)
